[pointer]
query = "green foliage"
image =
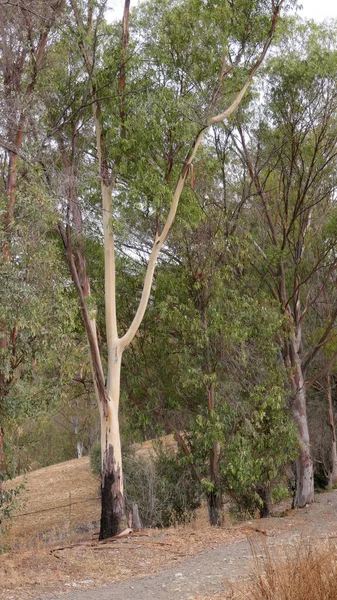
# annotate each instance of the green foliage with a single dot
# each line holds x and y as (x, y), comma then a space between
(256, 440)
(212, 329)
(10, 501)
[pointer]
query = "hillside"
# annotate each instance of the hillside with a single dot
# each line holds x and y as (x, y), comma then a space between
(57, 501)
(61, 501)
(39, 560)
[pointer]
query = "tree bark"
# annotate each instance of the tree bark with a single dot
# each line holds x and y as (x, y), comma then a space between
(214, 505)
(112, 491)
(214, 498)
(333, 446)
(304, 464)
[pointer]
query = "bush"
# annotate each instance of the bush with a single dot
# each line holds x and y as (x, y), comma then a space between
(161, 485)
(9, 502)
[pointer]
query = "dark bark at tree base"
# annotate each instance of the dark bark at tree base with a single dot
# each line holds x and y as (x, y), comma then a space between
(112, 501)
(109, 518)
(214, 506)
(265, 508)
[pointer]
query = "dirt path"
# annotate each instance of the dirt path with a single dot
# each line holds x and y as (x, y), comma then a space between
(214, 570)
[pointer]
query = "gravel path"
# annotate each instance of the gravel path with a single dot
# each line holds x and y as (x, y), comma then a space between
(205, 572)
(214, 570)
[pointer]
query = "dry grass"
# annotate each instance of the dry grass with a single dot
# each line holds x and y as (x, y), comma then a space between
(306, 572)
(44, 512)
(29, 568)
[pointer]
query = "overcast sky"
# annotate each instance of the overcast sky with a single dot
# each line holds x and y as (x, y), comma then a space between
(314, 9)
(319, 9)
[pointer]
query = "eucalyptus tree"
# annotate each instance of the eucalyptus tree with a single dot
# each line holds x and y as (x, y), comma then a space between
(290, 152)
(186, 68)
(205, 364)
(25, 31)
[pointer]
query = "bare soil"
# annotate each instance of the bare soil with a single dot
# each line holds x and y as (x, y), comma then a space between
(194, 562)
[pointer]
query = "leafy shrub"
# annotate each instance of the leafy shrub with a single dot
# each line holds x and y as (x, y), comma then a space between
(161, 485)
(9, 502)
(256, 440)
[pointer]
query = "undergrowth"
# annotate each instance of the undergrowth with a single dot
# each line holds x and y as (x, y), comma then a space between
(161, 484)
(9, 503)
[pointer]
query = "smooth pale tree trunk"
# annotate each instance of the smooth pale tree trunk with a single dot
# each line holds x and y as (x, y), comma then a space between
(112, 490)
(79, 443)
(79, 447)
(333, 446)
(304, 465)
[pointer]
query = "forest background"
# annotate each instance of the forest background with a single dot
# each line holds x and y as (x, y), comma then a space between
(236, 352)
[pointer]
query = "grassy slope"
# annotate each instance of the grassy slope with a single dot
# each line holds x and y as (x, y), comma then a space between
(52, 487)
(66, 483)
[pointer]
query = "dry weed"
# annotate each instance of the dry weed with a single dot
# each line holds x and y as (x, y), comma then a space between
(307, 572)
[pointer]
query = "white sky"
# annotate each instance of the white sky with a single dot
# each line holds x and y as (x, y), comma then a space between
(313, 9)
(319, 9)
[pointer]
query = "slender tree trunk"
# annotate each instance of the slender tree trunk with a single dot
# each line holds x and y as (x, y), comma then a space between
(214, 498)
(333, 447)
(3, 464)
(304, 464)
(79, 447)
(79, 443)
(214, 506)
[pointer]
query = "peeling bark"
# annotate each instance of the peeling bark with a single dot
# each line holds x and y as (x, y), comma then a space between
(112, 497)
(112, 490)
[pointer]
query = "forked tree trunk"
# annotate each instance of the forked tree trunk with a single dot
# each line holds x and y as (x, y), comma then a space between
(333, 448)
(304, 464)
(113, 509)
